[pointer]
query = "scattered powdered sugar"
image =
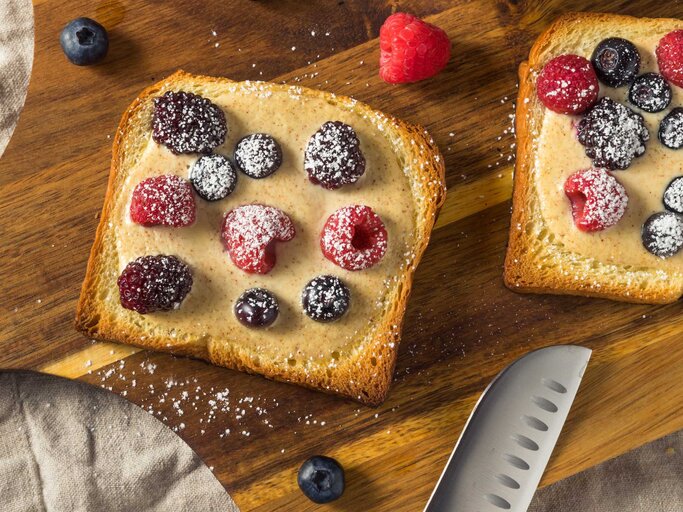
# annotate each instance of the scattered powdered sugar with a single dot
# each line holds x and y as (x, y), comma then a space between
(673, 195)
(333, 157)
(663, 234)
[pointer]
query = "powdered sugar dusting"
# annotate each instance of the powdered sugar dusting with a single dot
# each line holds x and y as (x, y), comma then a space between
(333, 157)
(663, 234)
(213, 177)
(258, 155)
(249, 232)
(602, 201)
(163, 201)
(673, 195)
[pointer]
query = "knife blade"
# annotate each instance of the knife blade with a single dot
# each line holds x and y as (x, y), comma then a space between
(500, 457)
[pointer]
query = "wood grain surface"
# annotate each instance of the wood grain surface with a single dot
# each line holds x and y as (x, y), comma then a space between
(462, 325)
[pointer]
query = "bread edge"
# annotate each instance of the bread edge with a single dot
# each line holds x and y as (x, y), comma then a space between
(520, 270)
(355, 377)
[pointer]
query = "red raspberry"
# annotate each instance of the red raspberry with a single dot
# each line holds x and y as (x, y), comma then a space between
(249, 234)
(670, 57)
(163, 201)
(411, 49)
(354, 237)
(598, 199)
(568, 84)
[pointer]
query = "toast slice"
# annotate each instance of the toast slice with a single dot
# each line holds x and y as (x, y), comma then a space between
(542, 259)
(353, 357)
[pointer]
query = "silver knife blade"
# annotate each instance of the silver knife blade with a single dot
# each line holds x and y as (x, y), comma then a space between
(499, 460)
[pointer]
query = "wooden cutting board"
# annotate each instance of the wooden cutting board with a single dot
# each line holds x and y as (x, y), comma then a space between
(463, 325)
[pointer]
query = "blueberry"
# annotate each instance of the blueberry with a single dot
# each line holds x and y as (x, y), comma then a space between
(662, 234)
(213, 177)
(673, 195)
(650, 92)
(84, 41)
(258, 155)
(257, 308)
(321, 479)
(325, 298)
(616, 61)
(671, 129)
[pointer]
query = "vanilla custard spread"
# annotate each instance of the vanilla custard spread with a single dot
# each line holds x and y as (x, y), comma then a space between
(559, 154)
(208, 309)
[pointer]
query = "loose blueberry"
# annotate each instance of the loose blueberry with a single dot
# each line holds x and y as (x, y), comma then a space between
(257, 308)
(84, 41)
(325, 298)
(258, 155)
(671, 129)
(650, 92)
(613, 134)
(616, 61)
(213, 177)
(333, 157)
(321, 479)
(154, 283)
(662, 234)
(673, 195)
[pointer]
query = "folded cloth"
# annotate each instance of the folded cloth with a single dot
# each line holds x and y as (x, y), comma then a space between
(66, 446)
(16, 59)
(647, 479)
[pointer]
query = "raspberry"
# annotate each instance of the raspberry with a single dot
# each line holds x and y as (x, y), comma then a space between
(670, 57)
(568, 84)
(249, 234)
(411, 49)
(354, 237)
(613, 134)
(333, 157)
(598, 199)
(187, 123)
(154, 283)
(163, 201)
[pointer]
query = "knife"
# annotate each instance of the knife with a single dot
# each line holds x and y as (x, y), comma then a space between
(499, 460)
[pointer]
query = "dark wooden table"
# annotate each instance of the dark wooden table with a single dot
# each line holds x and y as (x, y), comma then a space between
(462, 325)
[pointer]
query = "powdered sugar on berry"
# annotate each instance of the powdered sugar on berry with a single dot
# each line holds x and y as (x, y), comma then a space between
(598, 200)
(163, 201)
(249, 233)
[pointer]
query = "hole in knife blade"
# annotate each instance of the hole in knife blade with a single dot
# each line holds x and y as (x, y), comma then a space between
(508, 481)
(525, 442)
(544, 404)
(516, 461)
(535, 423)
(497, 501)
(554, 385)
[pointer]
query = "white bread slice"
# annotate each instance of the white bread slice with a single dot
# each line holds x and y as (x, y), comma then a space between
(364, 372)
(536, 261)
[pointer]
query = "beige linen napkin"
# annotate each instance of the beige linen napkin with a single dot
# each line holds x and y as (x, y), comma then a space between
(16, 59)
(648, 479)
(66, 446)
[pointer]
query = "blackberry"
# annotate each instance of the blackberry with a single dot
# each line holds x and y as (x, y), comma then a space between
(257, 308)
(333, 157)
(616, 61)
(673, 195)
(612, 134)
(662, 234)
(258, 155)
(671, 129)
(187, 123)
(154, 283)
(325, 298)
(650, 92)
(213, 177)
